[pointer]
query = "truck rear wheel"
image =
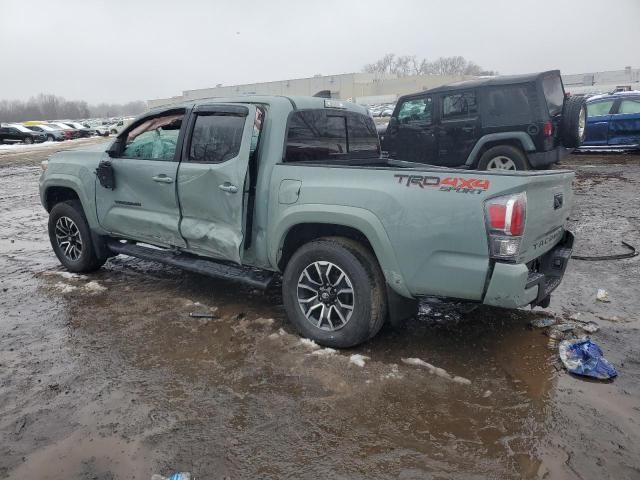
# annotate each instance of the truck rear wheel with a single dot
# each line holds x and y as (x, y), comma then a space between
(503, 157)
(70, 238)
(334, 292)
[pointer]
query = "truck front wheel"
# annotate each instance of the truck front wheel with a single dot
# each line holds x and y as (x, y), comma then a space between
(334, 292)
(70, 238)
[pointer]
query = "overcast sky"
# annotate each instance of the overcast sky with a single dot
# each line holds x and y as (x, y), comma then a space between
(122, 50)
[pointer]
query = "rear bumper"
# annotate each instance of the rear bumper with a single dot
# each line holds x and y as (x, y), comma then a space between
(513, 286)
(544, 159)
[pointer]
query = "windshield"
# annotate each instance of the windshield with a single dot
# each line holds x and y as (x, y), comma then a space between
(22, 128)
(46, 128)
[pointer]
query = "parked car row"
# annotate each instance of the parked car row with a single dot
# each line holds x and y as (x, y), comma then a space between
(381, 110)
(57, 131)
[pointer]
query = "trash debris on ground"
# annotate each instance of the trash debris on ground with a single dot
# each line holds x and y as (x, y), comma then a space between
(566, 327)
(602, 295)
(440, 372)
(584, 357)
(590, 327)
(358, 359)
(175, 476)
(487, 394)
(202, 315)
(618, 256)
(542, 322)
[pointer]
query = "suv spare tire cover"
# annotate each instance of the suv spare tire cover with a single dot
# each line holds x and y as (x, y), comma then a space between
(574, 122)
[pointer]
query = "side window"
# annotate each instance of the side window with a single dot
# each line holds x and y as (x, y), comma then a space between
(629, 106)
(415, 110)
(599, 108)
(459, 105)
(506, 105)
(363, 136)
(216, 138)
(154, 139)
(316, 135)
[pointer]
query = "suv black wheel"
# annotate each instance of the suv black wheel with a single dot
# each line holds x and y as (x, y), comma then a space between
(70, 238)
(28, 140)
(50, 138)
(573, 127)
(503, 157)
(334, 292)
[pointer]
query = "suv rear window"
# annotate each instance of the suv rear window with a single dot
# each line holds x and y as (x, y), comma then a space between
(553, 93)
(506, 105)
(322, 134)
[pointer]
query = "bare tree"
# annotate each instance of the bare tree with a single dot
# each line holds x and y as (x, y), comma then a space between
(409, 65)
(52, 107)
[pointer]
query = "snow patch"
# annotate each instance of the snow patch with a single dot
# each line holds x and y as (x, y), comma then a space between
(64, 287)
(94, 287)
(324, 352)
(66, 275)
(308, 343)
(439, 372)
(358, 360)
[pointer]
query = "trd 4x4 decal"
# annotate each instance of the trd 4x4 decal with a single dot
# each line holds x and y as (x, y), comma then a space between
(447, 184)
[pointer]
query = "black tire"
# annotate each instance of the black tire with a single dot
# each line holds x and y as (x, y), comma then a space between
(87, 260)
(369, 298)
(495, 155)
(573, 124)
(28, 140)
(50, 138)
(114, 132)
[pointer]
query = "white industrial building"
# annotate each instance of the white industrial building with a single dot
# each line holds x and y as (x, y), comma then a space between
(368, 88)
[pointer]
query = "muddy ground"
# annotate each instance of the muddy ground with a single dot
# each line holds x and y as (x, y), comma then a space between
(106, 376)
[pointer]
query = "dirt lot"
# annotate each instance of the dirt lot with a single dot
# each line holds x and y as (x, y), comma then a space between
(107, 377)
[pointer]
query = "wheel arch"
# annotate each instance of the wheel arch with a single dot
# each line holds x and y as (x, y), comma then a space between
(63, 187)
(308, 222)
(519, 140)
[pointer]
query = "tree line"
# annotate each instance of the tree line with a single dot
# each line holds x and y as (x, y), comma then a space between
(51, 107)
(405, 65)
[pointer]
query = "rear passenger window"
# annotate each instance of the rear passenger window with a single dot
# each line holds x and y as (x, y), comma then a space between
(216, 138)
(506, 105)
(316, 135)
(599, 108)
(629, 106)
(459, 105)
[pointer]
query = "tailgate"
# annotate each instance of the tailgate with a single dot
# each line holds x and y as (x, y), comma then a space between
(549, 203)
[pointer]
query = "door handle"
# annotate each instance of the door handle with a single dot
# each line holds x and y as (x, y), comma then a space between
(162, 178)
(227, 187)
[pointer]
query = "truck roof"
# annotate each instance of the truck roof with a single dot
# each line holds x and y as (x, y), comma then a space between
(295, 102)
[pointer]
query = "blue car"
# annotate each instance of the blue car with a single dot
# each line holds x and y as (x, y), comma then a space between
(613, 121)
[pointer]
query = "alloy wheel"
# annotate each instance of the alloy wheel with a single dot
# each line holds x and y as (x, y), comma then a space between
(501, 163)
(325, 295)
(68, 238)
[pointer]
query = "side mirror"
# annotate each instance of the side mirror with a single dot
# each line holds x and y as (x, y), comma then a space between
(114, 150)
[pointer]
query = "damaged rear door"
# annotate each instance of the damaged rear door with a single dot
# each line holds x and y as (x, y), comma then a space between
(212, 179)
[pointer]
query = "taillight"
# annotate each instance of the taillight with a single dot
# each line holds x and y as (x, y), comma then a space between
(548, 128)
(505, 217)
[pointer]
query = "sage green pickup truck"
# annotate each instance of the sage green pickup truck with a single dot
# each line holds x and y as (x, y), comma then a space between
(251, 187)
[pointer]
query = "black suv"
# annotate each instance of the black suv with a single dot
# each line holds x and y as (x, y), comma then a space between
(514, 122)
(20, 133)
